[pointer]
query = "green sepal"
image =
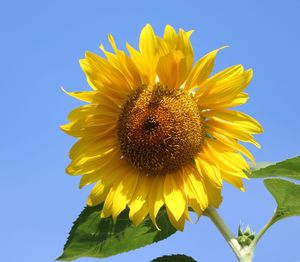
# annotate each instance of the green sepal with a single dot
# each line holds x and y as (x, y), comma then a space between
(245, 237)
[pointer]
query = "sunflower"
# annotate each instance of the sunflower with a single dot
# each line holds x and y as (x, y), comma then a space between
(156, 130)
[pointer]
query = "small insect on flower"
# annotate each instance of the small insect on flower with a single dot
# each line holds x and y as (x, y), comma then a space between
(156, 130)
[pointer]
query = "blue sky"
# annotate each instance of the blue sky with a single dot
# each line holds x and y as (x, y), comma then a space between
(41, 43)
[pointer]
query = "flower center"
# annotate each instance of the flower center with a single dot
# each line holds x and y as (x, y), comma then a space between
(159, 129)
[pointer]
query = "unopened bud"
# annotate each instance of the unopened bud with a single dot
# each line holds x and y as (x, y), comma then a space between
(245, 237)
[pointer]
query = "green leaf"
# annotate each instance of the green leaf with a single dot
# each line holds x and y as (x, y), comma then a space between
(260, 165)
(92, 236)
(289, 168)
(287, 196)
(174, 258)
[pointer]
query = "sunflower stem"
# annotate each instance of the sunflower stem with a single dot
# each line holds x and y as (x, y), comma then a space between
(261, 232)
(243, 254)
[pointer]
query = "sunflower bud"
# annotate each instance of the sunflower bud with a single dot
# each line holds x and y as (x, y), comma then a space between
(245, 237)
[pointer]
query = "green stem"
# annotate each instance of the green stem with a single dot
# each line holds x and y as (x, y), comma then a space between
(225, 231)
(261, 232)
(244, 254)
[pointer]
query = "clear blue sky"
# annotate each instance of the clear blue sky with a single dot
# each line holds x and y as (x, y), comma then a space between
(41, 43)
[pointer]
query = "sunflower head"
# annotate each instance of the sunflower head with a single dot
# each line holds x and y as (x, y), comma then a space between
(156, 130)
(159, 129)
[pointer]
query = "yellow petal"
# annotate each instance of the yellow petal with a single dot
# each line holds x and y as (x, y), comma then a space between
(107, 104)
(208, 169)
(140, 63)
(92, 129)
(149, 49)
(170, 36)
(240, 99)
(173, 194)
(98, 194)
(120, 194)
(185, 46)
(82, 111)
(162, 47)
(235, 181)
(222, 89)
(105, 78)
(225, 74)
(139, 216)
(171, 69)
(195, 189)
(107, 173)
(156, 198)
(97, 82)
(91, 120)
(213, 192)
(86, 96)
(85, 165)
(236, 119)
(147, 43)
(125, 65)
(100, 100)
(112, 58)
(177, 223)
(90, 147)
(189, 33)
(94, 84)
(107, 74)
(104, 106)
(201, 70)
(224, 156)
(140, 195)
(231, 132)
(232, 143)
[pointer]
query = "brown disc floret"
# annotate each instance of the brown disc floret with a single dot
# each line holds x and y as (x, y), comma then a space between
(159, 129)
